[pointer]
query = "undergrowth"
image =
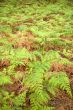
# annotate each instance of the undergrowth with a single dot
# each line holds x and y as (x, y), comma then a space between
(34, 37)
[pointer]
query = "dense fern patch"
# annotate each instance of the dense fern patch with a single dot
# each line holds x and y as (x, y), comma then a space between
(36, 54)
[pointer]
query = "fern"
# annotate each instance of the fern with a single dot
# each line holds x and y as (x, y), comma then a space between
(20, 100)
(59, 80)
(6, 107)
(36, 79)
(33, 86)
(4, 79)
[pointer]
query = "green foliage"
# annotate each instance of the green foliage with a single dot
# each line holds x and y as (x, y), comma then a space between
(39, 85)
(27, 81)
(59, 80)
(38, 80)
(4, 80)
(20, 99)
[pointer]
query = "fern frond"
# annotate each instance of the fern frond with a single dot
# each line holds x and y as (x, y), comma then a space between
(20, 99)
(59, 80)
(4, 79)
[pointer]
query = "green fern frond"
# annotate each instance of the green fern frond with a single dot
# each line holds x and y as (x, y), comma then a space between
(20, 99)
(59, 80)
(4, 79)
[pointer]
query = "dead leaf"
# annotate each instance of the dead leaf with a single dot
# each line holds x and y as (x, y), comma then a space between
(61, 108)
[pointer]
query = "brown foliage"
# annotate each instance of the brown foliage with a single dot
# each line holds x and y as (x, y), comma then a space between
(57, 67)
(4, 63)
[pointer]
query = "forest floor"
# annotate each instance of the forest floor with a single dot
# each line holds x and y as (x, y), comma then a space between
(38, 27)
